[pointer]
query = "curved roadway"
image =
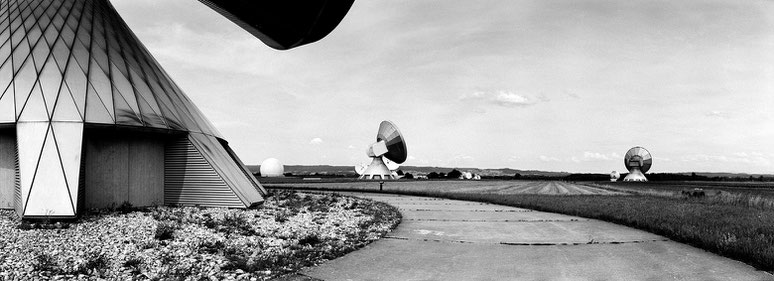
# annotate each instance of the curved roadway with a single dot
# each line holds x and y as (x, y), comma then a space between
(442, 239)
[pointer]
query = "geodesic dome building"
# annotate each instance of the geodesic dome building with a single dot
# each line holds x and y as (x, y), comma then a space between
(89, 119)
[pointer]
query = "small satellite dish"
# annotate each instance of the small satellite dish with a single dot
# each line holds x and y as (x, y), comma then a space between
(638, 161)
(389, 147)
(614, 176)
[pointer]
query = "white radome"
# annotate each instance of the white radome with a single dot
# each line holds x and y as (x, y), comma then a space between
(272, 168)
(614, 176)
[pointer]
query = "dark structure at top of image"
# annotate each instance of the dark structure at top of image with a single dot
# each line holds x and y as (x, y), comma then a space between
(284, 24)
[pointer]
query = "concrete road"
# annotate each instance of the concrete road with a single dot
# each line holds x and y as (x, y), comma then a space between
(443, 239)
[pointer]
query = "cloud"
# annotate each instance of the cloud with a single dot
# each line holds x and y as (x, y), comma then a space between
(463, 157)
(349, 147)
(739, 157)
(549, 159)
(500, 98)
(573, 95)
(511, 99)
(587, 156)
(717, 114)
(316, 141)
(660, 159)
(594, 156)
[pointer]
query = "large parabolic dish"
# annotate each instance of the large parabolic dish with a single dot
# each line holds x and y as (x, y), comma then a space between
(638, 161)
(389, 147)
(396, 146)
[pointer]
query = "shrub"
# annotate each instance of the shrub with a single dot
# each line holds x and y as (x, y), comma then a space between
(281, 216)
(125, 208)
(169, 214)
(25, 225)
(44, 262)
(310, 239)
(212, 247)
(134, 264)
(250, 264)
(236, 222)
(95, 262)
(164, 231)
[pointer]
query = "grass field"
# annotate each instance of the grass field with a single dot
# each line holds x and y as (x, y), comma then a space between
(738, 225)
(751, 188)
(484, 187)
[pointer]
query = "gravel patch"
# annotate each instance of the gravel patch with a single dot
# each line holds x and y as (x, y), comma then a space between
(289, 232)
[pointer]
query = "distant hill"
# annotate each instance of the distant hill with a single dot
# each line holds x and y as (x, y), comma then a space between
(416, 170)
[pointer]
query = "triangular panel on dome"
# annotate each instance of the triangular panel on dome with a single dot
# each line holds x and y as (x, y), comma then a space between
(61, 54)
(48, 193)
(99, 56)
(96, 111)
(80, 51)
(34, 109)
(23, 83)
(7, 109)
(40, 54)
(101, 84)
(124, 113)
(65, 108)
(151, 113)
(75, 79)
(50, 80)
(124, 88)
(29, 139)
(150, 117)
(21, 50)
(69, 141)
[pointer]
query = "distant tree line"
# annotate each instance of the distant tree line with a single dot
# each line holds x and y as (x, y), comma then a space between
(455, 174)
(668, 177)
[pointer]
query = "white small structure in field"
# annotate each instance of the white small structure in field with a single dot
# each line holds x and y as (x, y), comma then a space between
(476, 177)
(614, 175)
(272, 168)
(466, 175)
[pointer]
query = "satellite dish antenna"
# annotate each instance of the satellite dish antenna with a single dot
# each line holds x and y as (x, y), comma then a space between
(638, 161)
(614, 176)
(390, 147)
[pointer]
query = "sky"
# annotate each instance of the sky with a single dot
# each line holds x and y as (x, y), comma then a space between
(533, 85)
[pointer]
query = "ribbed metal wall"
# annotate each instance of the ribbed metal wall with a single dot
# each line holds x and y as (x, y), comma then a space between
(81, 185)
(189, 180)
(17, 182)
(7, 169)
